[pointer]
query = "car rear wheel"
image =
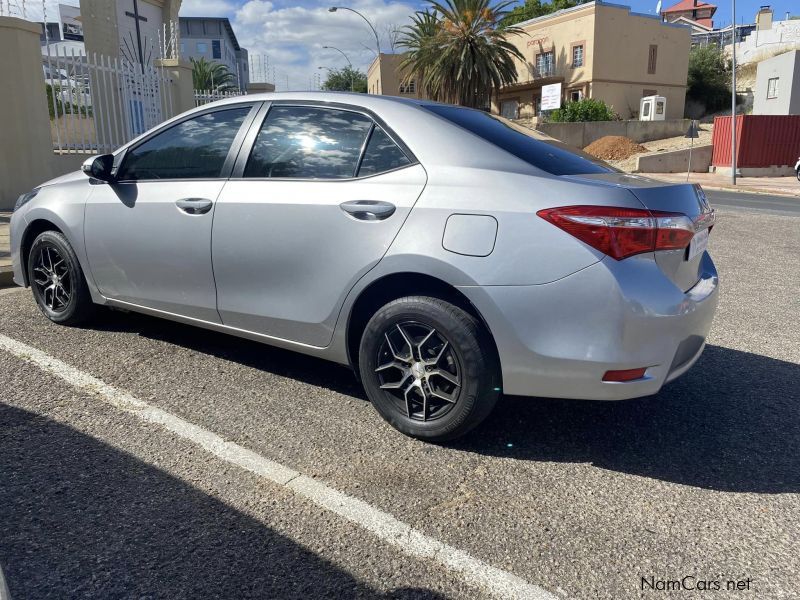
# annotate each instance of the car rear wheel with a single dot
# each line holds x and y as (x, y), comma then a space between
(798, 174)
(57, 281)
(429, 368)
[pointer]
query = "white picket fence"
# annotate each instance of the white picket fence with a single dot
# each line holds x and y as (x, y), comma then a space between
(202, 97)
(98, 103)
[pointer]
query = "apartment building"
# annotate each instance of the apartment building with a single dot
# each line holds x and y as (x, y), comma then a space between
(213, 38)
(594, 50)
(599, 50)
(384, 76)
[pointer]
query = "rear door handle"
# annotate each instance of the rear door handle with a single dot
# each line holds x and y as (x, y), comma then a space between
(194, 206)
(368, 210)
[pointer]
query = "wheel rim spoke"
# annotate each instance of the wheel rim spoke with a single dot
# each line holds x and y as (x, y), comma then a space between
(51, 276)
(408, 341)
(446, 375)
(423, 389)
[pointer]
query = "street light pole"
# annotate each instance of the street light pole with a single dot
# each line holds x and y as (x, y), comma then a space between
(352, 82)
(733, 90)
(377, 39)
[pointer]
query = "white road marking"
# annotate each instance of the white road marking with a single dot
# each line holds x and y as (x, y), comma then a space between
(383, 525)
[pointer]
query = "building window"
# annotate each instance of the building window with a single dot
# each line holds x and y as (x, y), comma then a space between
(216, 50)
(202, 47)
(772, 88)
(575, 95)
(652, 58)
(409, 87)
(545, 63)
(577, 55)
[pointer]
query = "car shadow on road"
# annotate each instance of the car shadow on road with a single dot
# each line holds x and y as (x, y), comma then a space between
(81, 519)
(311, 370)
(732, 423)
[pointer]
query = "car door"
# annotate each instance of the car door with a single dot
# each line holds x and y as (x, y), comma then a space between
(311, 209)
(148, 236)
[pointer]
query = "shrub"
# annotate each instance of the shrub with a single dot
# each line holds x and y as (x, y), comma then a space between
(709, 80)
(588, 109)
(59, 106)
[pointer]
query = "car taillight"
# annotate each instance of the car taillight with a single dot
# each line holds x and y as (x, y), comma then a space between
(625, 375)
(622, 232)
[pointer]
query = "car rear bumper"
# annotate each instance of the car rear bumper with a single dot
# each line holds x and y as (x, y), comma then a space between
(558, 339)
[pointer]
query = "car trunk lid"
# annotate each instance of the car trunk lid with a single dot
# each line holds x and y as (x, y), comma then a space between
(683, 269)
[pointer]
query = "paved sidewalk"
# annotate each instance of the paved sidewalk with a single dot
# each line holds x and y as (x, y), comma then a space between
(5, 250)
(784, 186)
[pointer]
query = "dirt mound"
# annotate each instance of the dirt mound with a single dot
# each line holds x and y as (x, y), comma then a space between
(614, 147)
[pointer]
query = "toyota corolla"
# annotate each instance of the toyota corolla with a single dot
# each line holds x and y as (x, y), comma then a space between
(445, 254)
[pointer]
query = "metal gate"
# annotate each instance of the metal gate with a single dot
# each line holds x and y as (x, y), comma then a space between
(99, 103)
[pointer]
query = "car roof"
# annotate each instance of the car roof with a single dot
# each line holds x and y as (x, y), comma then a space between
(354, 98)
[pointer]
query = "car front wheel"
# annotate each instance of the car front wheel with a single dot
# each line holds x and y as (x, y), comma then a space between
(429, 368)
(56, 279)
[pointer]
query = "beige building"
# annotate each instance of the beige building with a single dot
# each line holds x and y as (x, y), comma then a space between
(594, 50)
(602, 51)
(385, 77)
(128, 29)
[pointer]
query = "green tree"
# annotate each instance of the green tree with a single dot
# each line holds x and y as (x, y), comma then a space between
(588, 109)
(456, 50)
(340, 80)
(536, 8)
(709, 80)
(212, 76)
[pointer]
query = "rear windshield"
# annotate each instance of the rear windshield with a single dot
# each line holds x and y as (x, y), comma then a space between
(536, 149)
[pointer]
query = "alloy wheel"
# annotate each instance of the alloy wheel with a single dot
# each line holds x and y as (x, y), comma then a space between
(52, 278)
(419, 367)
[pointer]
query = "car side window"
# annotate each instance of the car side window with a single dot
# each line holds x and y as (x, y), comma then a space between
(302, 142)
(381, 154)
(192, 149)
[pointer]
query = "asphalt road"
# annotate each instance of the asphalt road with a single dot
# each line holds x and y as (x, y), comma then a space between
(784, 205)
(581, 498)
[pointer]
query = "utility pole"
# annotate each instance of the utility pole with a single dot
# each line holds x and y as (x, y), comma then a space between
(733, 95)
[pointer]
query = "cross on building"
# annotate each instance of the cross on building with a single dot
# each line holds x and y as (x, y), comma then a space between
(137, 20)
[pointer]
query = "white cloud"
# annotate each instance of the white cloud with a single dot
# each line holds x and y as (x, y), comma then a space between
(292, 36)
(207, 8)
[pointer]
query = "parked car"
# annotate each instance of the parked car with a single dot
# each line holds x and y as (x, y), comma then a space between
(72, 89)
(443, 253)
(797, 169)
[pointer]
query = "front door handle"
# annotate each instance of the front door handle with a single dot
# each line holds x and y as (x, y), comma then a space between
(194, 206)
(368, 210)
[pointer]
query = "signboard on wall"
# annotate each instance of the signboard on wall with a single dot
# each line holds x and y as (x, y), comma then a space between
(71, 26)
(551, 96)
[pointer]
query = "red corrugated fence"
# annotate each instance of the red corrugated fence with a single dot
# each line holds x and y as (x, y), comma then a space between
(761, 141)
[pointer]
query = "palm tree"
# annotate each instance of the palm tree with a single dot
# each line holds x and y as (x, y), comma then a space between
(211, 76)
(458, 52)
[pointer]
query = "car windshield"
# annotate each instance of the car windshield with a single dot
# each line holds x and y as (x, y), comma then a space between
(534, 147)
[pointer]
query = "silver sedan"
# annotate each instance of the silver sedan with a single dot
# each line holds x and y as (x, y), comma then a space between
(445, 254)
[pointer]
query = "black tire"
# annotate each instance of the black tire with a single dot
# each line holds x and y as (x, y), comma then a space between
(798, 174)
(463, 351)
(72, 304)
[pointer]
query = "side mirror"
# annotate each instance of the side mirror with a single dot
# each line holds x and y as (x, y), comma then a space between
(100, 167)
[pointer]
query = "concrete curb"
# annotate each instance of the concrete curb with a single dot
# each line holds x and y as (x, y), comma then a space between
(721, 187)
(760, 191)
